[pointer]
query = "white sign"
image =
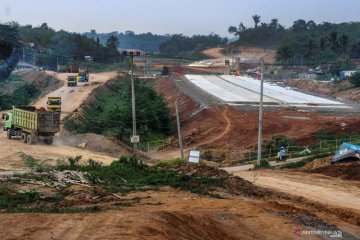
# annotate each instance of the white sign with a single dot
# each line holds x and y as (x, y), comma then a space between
(194, 156)
(135, 139)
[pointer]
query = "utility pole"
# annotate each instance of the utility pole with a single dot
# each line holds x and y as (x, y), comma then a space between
(145, 65)
(179, 128)
(133, 101)
(261, 113)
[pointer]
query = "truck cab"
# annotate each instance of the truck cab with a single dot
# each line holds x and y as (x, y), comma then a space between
(8, 120)
(72, 81)
(54, 104)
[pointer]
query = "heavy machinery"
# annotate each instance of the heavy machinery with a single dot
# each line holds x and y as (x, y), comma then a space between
(32, 124)
(72, 81)
(83, 75)
(54, 104)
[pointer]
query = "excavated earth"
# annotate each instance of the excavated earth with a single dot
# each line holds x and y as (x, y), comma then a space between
(208, 123)
(169, 213)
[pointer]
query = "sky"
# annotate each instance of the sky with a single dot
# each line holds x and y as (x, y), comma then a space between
(186, 17)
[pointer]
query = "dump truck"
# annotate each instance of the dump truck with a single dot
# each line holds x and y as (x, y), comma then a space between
(54, 104)
(72, 81)
(83, 75)
(32, 124)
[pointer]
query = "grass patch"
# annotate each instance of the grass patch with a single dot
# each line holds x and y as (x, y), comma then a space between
(10, 198)
(263, 164)
(172, 162)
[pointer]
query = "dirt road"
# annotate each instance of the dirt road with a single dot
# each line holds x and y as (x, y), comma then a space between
(72, 98)
(319, 188)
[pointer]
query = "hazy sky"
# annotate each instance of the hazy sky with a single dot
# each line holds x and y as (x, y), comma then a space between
(171, 16)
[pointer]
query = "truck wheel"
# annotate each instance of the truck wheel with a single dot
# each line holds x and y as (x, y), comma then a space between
(30, 139)
(8, 133)
(23, 137)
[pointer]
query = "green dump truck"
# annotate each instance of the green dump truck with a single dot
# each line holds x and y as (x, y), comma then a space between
(32, 124)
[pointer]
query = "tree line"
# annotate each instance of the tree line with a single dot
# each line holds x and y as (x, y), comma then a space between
(180, 46)
(304, 41)
(62, 47)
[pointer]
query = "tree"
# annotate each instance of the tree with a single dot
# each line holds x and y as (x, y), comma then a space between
(355, 79)
(285, 53)
(311, 25)
(274, 23)
(256, 19)
(322, 44)
(232, 29)
(299, 26)
(355, 50)
(310, 47)
(344, 44)
(112, 43)
(333, 39)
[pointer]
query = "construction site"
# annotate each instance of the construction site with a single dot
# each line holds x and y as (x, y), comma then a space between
(252, 152)
(219, 117)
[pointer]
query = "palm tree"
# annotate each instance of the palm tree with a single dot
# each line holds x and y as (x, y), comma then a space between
(256, 19)
(274, 23)
(285, 53)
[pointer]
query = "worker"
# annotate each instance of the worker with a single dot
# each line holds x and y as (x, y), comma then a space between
(281, 153)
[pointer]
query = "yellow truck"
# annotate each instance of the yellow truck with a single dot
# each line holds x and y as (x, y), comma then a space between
(54, 104)
(72, 81)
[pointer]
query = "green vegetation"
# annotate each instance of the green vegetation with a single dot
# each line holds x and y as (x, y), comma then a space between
(355, 79)
(304, 42)
(61, 47)
(172, 162)
(110, 113)
(263, 164)
(21, 96)
(179, 46)
(8, 53)
(147, 42)
(130, 174)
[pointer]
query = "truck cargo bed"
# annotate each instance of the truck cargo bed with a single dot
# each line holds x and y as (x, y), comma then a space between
(32, 120)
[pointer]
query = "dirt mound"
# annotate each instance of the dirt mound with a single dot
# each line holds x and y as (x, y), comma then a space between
(317, 163)
(342, 90)
(348, 171)
(179, 225)
(95, 143)
(232, 184)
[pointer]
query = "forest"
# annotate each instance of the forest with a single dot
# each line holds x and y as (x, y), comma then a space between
(304, 42)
